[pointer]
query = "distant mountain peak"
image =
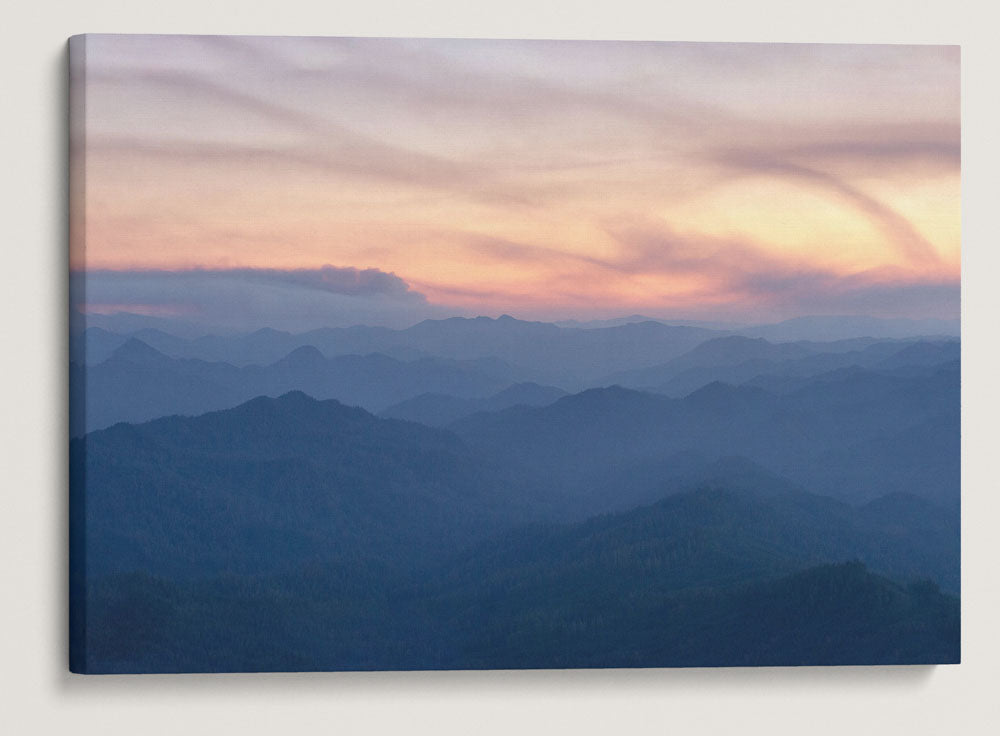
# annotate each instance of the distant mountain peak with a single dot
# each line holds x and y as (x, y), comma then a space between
(296, 407)
(304, 356)
(138, 352)
(269, 332)
(301, 397)
(607, 395)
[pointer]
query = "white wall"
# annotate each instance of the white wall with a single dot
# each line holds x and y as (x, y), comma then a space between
(38, 695)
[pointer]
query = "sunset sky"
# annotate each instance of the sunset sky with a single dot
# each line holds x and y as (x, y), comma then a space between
(309, 181)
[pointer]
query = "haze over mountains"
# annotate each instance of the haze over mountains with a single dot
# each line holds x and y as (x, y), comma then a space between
(137, 382)
(644, 341)
(458, 358)
(823, 328)
(497, 493)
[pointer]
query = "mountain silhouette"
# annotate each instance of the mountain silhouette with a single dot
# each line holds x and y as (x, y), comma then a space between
(737, 359)
(137, 383)
(547, 353)
(273, 483)
(368, 498)
(440, 410)
(822, 434)
(704, 578)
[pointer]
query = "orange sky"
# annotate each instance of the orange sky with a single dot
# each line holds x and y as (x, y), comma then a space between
(536, 178)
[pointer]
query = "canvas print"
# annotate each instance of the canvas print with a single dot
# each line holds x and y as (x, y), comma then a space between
(408, 354)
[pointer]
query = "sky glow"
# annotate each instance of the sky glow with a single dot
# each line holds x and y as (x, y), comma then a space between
(547, 180)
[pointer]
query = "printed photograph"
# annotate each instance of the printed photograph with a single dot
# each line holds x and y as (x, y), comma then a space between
(456, 354)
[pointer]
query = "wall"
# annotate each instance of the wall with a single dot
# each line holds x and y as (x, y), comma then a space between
(39, 695)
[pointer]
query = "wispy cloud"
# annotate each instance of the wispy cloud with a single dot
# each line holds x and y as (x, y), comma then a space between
(699, 275)
(630, 169)
(347, 281)
(247, 297)
(911, 244)
(321, 144)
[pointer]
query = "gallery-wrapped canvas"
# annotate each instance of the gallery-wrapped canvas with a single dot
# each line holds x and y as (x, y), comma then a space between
(403, 354)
